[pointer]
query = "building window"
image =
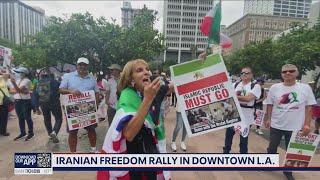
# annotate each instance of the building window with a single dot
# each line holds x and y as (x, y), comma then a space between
(293, 11)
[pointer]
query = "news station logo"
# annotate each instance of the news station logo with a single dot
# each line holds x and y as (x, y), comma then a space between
(32, 163)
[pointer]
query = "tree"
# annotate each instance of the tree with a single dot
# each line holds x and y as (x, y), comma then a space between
(300, 47)
(64, 40)
(258, 56)
(142, 40)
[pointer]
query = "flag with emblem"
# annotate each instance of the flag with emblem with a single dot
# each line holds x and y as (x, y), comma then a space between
(115, 142)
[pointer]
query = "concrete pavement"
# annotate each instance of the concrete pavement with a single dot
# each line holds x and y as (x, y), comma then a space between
(208, 143)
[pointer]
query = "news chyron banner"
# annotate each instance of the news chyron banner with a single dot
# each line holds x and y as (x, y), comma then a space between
(46, 163)
(301, 149)
(79, 111)
(205, 95)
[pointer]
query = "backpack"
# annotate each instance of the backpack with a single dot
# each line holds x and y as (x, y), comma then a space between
(237, 83)
(44, 91)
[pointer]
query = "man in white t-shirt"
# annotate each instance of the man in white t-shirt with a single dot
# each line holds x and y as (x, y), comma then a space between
(288, 109)
(246, 94)
(111, 91)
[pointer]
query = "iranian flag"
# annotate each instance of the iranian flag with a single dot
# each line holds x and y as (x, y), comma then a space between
(211, 24)
(225, 41)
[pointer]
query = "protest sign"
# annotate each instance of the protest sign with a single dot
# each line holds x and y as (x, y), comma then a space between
(79, 111)
(205, 95)
(301, 149)
(6, 56)
(259, 115)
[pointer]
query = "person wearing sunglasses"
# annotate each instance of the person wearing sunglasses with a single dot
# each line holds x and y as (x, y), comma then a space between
(288, 109)
(247, 93)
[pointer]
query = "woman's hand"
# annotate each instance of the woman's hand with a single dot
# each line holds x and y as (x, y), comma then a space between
(203, 56)
(151, 90)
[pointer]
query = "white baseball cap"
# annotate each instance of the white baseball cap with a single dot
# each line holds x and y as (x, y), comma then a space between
(83, 60)
(21, 70)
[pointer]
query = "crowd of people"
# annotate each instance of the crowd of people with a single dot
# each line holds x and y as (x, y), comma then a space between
(135, 101)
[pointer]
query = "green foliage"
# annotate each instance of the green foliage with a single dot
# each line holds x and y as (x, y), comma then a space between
(255, 55)
(300, 47)
(6, 43)
(167, 64)
(64, 40)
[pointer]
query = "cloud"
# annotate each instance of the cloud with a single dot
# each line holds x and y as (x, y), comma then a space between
(231, 10)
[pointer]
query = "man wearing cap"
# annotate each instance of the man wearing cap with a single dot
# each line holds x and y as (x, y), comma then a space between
(20, 86)
(110, 86)
(74, 83)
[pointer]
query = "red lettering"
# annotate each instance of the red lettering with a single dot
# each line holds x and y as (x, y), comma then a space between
(202, 99)
(223, 94)
(196, 101)
(208, 97)
(189, 103)
(218, 95)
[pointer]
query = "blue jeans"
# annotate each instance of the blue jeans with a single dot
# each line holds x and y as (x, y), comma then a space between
(179, 125)
(23, 109)
(228, 142)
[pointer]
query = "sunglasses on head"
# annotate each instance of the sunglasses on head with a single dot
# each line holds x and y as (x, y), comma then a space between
(290, 71)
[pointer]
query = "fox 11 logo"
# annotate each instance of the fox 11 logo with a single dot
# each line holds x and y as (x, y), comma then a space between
(32, 163)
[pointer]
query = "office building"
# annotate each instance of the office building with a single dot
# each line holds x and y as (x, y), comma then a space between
(128, 14)
(286, 8)
(257, 28)
(181, 21)
(17, 20)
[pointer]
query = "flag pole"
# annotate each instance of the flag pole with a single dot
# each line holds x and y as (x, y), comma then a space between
(214, 48)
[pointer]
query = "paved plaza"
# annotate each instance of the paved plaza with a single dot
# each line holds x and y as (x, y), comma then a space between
(209, 143)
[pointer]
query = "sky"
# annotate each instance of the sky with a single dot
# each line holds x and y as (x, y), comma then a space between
(231, 10)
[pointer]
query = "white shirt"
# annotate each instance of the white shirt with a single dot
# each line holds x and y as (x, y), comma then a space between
(289, 102)
(111, 85)
(20, 83)
(243, 91)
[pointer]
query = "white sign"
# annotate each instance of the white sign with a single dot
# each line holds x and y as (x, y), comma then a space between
(80, 111)
(205, 95)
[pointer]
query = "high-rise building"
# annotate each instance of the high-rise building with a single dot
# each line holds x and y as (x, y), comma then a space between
(258, 27)
(128, 14)
(287, 8)
(314, 13)
(181, 21)
(17, 20)
(223, 29)
(258, 7)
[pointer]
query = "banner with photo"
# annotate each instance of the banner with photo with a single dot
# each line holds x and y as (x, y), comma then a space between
(6, 57)
(205, 95)
(79, 111)
(301, 149)
(258, 118)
